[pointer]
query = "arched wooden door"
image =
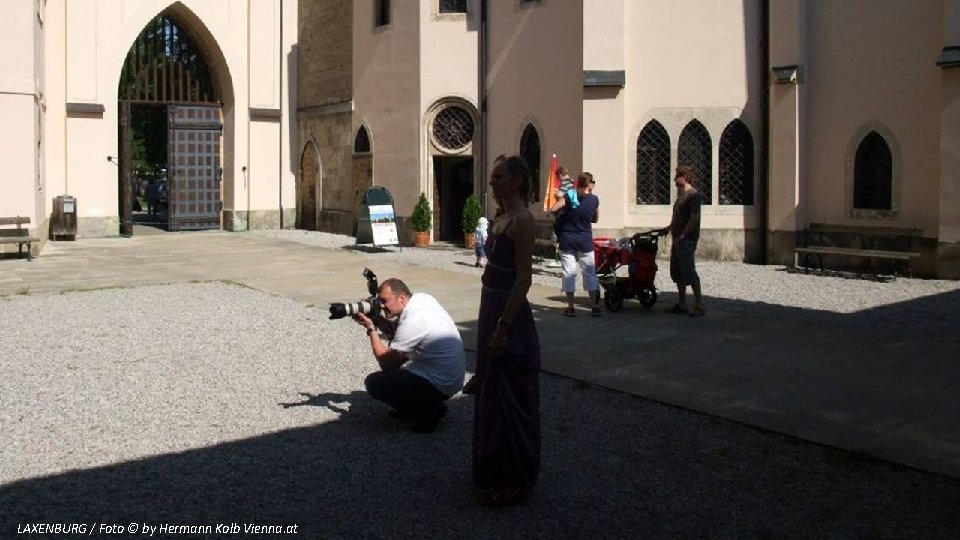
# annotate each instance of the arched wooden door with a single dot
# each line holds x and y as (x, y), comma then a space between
(178, 148)
(307, 189)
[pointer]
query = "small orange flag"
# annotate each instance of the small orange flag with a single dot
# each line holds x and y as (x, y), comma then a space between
(553, 184)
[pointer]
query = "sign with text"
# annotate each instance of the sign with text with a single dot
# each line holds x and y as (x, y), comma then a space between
(384, 225)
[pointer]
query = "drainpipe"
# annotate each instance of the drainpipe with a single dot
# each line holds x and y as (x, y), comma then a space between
(280, 137)
(246, 178)
(763, 217)
(482, 101)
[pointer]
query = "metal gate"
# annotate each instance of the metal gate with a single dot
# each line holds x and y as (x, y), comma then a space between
(193, 166)
(362, 181)
(307, 190)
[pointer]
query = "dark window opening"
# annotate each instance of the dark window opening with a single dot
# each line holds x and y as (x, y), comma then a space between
(530, 151)
(696, 151)
(165, 64)
(361, 145)
(736, 165)
(873, 174)
(453, 6)
(653, 165)
(382, 8)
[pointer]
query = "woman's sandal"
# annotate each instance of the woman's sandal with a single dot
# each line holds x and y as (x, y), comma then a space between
(569, 312)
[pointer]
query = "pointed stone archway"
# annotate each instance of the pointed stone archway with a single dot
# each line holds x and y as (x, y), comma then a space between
(307, 187)
(175, 67)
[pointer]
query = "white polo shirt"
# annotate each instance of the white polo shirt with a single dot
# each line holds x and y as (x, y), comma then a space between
(432, 342)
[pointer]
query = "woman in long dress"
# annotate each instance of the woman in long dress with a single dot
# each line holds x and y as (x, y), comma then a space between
(506, 427)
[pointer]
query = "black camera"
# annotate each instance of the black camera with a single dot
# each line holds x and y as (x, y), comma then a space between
(369, 306)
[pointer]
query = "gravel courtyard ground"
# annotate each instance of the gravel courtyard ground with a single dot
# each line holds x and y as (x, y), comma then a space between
(117, 406)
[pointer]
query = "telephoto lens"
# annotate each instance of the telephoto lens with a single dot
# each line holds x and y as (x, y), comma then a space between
(340, 310)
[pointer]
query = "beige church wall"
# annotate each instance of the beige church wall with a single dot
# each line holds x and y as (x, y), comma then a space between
(21, 92)
(603, 150)
(858, 79)
(96, 36)
(712, 74)
(54, 126)
(604, 118)
(386, 81)
(22, 187)
(948, 246)
(535, 76)
(786, 200)
(448, 54)
(18, 179)
(448, 74)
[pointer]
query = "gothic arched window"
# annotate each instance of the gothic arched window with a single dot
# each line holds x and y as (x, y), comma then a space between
(736, 165)
(530, 151)
(361, 145)
(653, 165)
(873, 174)
(695, 149)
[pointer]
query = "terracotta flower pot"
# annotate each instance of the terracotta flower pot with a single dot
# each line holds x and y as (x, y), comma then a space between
(469, 240)
(421, 238)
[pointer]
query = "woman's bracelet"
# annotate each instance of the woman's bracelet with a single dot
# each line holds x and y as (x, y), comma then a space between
(370, 331)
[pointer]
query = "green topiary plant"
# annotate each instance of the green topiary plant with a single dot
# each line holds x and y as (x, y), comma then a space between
(421, 217)
(471, 214)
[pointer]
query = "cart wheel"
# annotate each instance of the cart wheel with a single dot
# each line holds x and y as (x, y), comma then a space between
(613, 300)
(648, 297)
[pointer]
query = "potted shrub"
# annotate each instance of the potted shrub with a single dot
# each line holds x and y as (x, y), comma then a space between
(471, 216)
(420, 222)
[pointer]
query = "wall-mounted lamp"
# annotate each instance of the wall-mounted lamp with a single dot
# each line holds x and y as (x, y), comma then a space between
(113, 160)
(786, 74)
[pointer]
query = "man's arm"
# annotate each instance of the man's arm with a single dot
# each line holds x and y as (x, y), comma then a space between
(387, 358)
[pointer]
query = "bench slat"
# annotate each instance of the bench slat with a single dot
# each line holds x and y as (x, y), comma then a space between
(17, 239)
(876, 253)
(17, 220)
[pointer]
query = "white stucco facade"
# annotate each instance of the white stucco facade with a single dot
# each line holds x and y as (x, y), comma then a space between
(69, 78)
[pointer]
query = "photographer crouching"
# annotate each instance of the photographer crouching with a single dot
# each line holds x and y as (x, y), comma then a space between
(423, 364)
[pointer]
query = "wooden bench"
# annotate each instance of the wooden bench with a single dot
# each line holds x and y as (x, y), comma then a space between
(818, 246)
(17, 236)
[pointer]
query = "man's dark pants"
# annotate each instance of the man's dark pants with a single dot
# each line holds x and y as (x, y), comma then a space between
(415, 398)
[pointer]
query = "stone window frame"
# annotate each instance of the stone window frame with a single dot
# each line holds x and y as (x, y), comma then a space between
(674, 119)
(896, 177)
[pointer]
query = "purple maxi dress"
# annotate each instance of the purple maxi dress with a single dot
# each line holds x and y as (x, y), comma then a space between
(506, 415)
